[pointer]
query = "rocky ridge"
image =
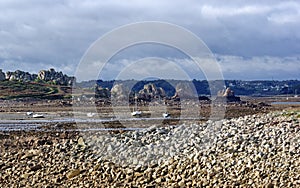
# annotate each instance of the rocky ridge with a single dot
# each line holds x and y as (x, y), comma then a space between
(19, 75)
(44, 75)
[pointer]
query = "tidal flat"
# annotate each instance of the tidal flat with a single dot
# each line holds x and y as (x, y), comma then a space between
(260, 146)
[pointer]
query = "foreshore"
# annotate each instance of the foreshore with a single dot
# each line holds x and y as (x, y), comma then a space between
(249, 151)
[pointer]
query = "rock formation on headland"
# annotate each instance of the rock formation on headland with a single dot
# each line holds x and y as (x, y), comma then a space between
(44, 75)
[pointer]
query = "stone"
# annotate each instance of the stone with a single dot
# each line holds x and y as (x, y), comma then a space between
(181, 184)
(269, 185)
(36, 167)
(73, 173)
(158, 180)
(31, 153)
(25, 176)
(80, 142)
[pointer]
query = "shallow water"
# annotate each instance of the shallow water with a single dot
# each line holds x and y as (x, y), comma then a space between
(50, 124)
(286, 103)
(6, 127)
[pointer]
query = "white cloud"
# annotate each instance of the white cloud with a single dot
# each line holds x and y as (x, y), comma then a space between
(211, 11)
(259, 68)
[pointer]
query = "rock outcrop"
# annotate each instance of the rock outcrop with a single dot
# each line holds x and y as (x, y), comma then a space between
(185, 90)
(55, 77)
(227, 95)
(119, 92)
(19, 75)
(150, 91)
(102, 92)
(2, 75)
(44, 75)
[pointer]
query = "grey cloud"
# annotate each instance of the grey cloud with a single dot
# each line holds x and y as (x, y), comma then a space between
(232, 67)
(56, 33)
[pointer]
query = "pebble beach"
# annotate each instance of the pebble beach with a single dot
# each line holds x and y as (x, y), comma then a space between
(261, 150)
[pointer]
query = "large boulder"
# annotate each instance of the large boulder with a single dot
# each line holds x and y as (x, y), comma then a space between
(2, 75)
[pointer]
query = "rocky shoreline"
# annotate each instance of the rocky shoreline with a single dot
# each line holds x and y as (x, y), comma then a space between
(250, 151)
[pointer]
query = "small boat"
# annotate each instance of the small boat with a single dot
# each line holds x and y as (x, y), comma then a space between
(29, 113)
(38, 116)
(136, 113)
(166, 115)
(90, 114)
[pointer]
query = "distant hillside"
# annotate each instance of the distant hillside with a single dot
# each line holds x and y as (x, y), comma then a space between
(249, 88)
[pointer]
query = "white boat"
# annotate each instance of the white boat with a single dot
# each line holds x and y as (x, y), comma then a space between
(29, 113)
(166, 115)
(38, 116)
(136, 113)
(90, 114)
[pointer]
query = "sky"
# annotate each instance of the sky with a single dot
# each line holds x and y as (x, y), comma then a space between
(251, 40)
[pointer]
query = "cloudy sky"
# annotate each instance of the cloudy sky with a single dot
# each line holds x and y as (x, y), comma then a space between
(250, 39)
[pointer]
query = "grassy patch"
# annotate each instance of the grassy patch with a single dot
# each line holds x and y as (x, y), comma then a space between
(16, 89)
